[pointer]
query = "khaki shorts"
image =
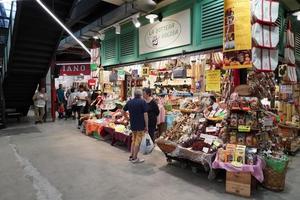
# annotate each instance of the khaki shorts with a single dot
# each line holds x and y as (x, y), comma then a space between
(137, 137)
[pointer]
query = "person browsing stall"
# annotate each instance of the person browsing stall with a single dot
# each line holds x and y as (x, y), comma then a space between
(81, 98)
(137, 108)
(40, 98)
(153, 112)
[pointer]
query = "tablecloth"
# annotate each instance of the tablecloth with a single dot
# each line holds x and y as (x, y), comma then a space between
(255, 170)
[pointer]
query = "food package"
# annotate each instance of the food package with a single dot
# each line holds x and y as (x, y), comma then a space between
(240, 153)
(241, 138)
(230, 152)
(251, 157)
(265, 35)
(265, 11)
(265, 59)
(233, 139)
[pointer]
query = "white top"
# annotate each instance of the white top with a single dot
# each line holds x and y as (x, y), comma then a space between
(81, 95)
(71, 100)
(40, 100)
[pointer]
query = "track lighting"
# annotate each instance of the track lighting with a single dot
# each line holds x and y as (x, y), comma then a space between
(135, 21)
(118, 28)
(152, 17)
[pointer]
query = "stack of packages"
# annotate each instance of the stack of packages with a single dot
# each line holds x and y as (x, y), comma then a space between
(265, 35)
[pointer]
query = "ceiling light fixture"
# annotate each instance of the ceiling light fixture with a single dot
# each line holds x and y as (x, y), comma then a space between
(118, 28)
(135, 21)
(298, 17)
(101, 36)
(63, 26)
(152, 17)
(297, 13)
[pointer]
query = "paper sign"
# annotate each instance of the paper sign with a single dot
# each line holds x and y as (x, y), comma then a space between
(213, 80)
(205, 149)
(286, 89)
(237, 41)
(208, 141)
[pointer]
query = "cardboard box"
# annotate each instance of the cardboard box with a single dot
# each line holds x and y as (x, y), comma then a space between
(239, 183)
(238, 188)
(239, 177)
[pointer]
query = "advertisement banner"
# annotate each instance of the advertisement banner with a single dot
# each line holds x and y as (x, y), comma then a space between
(172, 31)
(237, 41)
(75, 69)
(213, 80)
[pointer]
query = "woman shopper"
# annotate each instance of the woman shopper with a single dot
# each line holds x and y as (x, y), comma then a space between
(152, 110)
(71, 104)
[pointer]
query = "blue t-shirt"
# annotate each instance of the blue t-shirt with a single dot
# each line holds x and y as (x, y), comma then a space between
(60, 95)
(136, 107)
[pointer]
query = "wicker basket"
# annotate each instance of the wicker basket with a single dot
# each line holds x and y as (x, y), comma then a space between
(166, 146)
(274, 180)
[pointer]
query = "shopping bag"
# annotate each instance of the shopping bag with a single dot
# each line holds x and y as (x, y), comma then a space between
(265, 35)
(265, 11)
(147, 145)
(265, 59)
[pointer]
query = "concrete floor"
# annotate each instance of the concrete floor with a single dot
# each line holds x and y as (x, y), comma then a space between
(54, 161)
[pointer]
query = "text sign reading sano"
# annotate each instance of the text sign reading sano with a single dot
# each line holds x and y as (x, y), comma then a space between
(75, 70)
(173, 31)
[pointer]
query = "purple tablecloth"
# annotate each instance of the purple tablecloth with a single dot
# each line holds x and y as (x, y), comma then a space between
(255, 170)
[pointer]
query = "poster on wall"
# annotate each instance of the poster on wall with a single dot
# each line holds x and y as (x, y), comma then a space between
(121, 75)
(172, 31)
(237, 42)
(213, 80)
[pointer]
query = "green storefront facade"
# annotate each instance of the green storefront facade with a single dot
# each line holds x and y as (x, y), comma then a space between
(206, 33)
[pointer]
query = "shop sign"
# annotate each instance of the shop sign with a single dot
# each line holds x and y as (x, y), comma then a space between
(173, 31)
(213, 80)
(75, 70)
(121, 75)
(237, 42)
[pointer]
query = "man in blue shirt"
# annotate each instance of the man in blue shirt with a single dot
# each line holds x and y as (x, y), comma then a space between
(60, 94)
(137, 108)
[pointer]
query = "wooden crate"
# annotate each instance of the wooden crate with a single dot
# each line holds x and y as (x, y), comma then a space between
(239, 183)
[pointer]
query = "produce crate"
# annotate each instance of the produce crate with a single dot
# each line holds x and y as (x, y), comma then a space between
(240, 183)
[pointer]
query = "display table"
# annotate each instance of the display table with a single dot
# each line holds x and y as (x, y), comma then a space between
(122, 137)
(92, 126)
(173, 151)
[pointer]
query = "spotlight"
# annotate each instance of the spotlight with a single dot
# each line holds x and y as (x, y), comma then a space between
(136, 22)
(118, 28)
(96, 37)
(151, 17)
(298, 17)
(296, 13)
(102, 36)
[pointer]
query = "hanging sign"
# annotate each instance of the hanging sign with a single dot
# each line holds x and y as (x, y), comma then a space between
(75, 69)
(121, 75)
(173, 31)
(213, 80)
(237, 42)
(95, 58)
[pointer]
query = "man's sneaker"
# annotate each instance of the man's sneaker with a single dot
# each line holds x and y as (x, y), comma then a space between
(136, 161)
(130, 158)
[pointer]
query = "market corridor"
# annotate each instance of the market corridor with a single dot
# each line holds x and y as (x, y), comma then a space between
(54, 161)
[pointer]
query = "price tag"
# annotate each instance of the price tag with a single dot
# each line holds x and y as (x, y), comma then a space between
(202, 120)
(216, 143)
(193, 115)
(208, 141)
(242, 128)
(211, 129)
(205, 149)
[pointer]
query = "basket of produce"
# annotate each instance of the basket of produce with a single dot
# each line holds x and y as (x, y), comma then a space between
(165, 145)
(274, 173)
(187, 111)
